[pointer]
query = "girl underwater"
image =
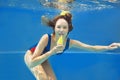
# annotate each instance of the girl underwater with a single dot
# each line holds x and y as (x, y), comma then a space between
(36, 58)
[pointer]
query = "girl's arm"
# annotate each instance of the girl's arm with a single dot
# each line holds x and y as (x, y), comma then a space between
(96, 48)
(37, 58)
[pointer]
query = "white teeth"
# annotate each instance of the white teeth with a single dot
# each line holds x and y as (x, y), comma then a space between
(61, 34)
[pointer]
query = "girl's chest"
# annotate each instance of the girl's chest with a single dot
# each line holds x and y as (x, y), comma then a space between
(54, 44)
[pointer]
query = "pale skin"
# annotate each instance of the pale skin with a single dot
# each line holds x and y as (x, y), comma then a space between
(39, 65)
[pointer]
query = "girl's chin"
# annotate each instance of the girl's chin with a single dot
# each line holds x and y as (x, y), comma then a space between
(61, 34)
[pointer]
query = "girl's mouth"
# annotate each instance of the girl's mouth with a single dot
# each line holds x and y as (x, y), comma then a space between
(61, 33)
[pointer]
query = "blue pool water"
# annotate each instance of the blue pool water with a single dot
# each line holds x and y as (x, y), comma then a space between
(21, 27)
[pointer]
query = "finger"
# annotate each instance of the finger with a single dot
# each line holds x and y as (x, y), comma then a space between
(59, 52)
(115, 47)
(59, 48)
(60, 45)
(112, 45)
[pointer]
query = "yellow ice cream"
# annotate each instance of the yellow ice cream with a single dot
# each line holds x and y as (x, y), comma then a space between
(60, 40)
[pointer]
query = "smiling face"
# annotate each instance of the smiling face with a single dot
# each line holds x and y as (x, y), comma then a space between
(61, 27)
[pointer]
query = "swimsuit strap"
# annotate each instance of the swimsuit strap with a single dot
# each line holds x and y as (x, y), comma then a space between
(67, 44)
(49, 43)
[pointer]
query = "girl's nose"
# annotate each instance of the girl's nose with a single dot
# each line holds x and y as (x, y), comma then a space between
(61, 29)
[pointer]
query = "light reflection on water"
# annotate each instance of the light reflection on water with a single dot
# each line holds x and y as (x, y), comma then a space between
(78, 5)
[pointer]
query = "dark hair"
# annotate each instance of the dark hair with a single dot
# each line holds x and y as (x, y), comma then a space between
(67, 17)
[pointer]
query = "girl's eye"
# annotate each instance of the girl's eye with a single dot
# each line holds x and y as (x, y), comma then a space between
(58, 26)
(64, 27)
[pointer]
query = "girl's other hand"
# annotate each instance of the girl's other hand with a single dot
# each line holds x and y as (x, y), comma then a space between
(114, 46)
(57, 49)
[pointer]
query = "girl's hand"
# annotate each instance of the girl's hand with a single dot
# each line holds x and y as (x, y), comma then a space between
(57, 49)
(114, 46)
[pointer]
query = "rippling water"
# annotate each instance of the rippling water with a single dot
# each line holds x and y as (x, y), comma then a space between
(78, 5)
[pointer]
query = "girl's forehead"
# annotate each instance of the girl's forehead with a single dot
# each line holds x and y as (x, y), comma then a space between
(61, 21)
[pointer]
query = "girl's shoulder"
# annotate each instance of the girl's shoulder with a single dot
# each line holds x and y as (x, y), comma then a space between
(45, 36)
